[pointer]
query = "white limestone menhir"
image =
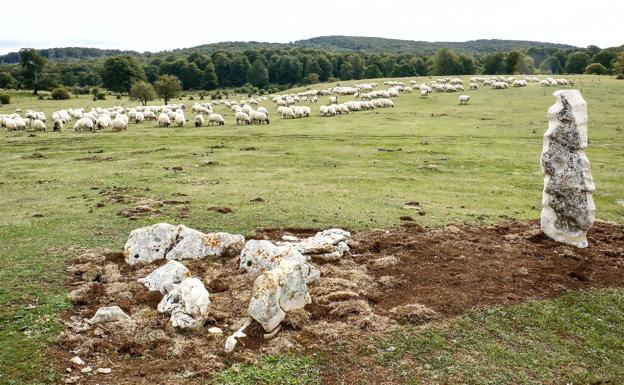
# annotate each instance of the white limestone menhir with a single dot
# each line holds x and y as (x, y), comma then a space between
(568, 206)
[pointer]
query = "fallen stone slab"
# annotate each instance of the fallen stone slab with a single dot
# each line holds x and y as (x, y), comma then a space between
(162, 240)
(187, 303)
(166, 277)
(231, 341)
(108, 314)
(278, 291)
(326, 245)
(568, 205)
(259, 256)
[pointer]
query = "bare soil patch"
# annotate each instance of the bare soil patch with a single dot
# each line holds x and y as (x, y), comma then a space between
(403, 275)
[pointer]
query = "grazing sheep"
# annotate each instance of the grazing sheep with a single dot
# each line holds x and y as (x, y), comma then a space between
(10, 124)
(258, 117)
(262, 109)
(199, 120)
(83, 124)
(333, 100)
(38, 125)
(58, 125)
(179, 119)
(103, 122)
(138, 117)
(163, 120)
(473, 86)
(241, 118)
(288, 113)
(216, 118)
(464, 99)
(119, 124)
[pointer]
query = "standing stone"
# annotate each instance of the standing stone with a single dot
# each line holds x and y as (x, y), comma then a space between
(568, 206)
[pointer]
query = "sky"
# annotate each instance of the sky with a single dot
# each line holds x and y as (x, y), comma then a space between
(163, 25)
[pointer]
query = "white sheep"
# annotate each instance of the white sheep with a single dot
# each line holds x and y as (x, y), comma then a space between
(38, 125)
(473, 86)
(464, 99)
(119, 124)
(288, 113)
(241, 118)
(103, 122)
(58, 125)
(258, 117)
(262, 109)
(163, 120)
(216, 118)
(199, 120)
(180, 120)
(83, 124)
(138, 117)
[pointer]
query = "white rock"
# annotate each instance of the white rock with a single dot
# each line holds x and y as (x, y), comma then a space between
(193, 244)
(215, 330)
(104, 370)
(162, 240)
(77, 361)
(150, 243)
(230, 342)
(327, 245)
(280, 290)
(259, 256)
(166, 277)
(108, 314)
(568, 205)
(86, 370)
(187, 302)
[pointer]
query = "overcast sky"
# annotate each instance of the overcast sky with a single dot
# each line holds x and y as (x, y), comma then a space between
(161, 25)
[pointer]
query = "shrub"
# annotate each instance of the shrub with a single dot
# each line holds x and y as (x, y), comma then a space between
(596, 68)
(100, 96)
(5, 98)
(191, 97)
(118, 96)
(60, 93)
(620, 76)
(41, 97)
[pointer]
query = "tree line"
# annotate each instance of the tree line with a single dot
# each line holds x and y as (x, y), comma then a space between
(279, 68)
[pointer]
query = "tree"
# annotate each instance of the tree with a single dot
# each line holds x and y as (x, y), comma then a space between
(191, 76)
(121, 72)
(403, 70)
(32, 65)
(7, 80)
(372, 72)
(605, 57)
(210, 77)
(142, 91)
(576, 62)
(168, 87)
(312, 78)
(618, 63)
(288, 70)
(596, 69)
(258, 74)
(325, 68)
(346, 71)
(60, 93)
(357, 65)
(467, 64)
(552, 65)
(238, 70)
(494, 64)
(446, 62)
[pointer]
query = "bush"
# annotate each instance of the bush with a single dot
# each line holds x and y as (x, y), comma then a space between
(620, 76)
(100, 96)
(5, 98)
(40, 97)
(60, 93)
(191, 97)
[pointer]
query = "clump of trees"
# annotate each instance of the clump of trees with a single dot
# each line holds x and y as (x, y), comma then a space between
(168, 87)
(266, 68)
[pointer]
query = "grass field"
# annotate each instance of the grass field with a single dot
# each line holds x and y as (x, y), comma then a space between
(470, 163)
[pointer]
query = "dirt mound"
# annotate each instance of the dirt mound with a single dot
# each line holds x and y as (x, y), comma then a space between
(405, 275)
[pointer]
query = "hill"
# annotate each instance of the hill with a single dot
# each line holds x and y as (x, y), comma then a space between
(377, 44)
(330, 43)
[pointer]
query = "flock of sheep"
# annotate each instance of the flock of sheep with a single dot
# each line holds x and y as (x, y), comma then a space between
(366, 96)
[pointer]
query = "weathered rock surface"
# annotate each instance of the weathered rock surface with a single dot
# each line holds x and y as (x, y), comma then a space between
(280, 290)
(162, 240)
(326, 245)
(231, 341)
(108, 314)
(260, 256)
(568, 206)
(187, 303)
(166, 277)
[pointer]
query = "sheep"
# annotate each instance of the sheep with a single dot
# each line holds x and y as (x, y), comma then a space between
(179, 119)
(242, 117)
(216, 118)
(10, 124)
(38, 125)
(323, 110)
(119, 124)
(138, 117)
(103, 122)
(83, 124)
(199, 120)
(58, 125)
(473, 86)
(331, 110)
(464, 99)
(333, 100)
(258, 117)
(264, 110)
(288, 113)
(163, 120)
